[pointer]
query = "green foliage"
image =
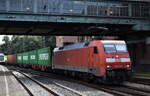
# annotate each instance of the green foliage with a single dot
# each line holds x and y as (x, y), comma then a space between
(19, 44)
(142, 74)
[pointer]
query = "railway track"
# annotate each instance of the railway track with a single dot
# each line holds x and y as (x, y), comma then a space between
(59, 85)
(129, 90)
(140, 81)
(26, 81)
(119, 90)
(86, 84)
(115, 90)
(123, 90)
(137, 86)
(49, 90)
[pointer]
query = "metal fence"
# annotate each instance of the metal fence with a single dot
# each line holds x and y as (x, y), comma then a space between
(77, 7)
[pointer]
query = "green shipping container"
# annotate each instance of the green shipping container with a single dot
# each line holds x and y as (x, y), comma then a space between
(44, 56)
(25, 58)
(19, 58)
(33, 58)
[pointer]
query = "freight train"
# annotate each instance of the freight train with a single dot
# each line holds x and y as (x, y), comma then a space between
(106, 61)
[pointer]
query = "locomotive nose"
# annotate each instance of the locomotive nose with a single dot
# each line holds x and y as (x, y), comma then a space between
(118, 61)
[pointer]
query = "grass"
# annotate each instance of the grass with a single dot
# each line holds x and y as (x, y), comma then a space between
(143, 74)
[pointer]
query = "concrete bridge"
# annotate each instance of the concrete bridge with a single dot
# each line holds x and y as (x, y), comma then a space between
(74, 17)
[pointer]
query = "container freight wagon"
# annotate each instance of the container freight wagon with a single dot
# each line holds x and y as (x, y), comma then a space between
(25, 59)
(44, 58)
(11, 59)
(106, 61)
(37, 59)
(19, 59)
(33, 58)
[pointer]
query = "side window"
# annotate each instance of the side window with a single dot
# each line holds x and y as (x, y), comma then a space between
(95, 50)
(61, 48)
(87, 43)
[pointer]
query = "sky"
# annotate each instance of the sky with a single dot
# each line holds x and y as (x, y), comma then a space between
(1, 37)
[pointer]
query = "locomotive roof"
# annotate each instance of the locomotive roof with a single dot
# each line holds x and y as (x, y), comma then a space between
(85, 44)
(73, 46)
(113, 41)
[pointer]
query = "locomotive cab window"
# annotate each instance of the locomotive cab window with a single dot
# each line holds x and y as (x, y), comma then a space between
(110, 48)
(115, 48)
(121, 48)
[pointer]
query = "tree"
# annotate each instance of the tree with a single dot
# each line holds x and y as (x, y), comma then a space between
(5, 48)
(19, 44)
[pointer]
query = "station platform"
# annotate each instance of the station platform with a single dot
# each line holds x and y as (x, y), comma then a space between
(9, 86)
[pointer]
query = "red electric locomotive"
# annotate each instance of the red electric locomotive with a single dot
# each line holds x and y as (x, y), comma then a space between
(105, 60)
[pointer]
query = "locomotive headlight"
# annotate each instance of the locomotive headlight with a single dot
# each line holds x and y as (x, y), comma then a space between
(110, 60)
(127, 66)
(108, 66)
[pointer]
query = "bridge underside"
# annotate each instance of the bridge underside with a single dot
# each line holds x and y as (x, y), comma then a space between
(74, 29)
(74, 17)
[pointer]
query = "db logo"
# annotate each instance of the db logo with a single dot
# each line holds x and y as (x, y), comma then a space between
(117, 60)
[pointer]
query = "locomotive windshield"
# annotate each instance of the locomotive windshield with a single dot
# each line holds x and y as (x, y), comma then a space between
(115, 48)
(1, 58)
